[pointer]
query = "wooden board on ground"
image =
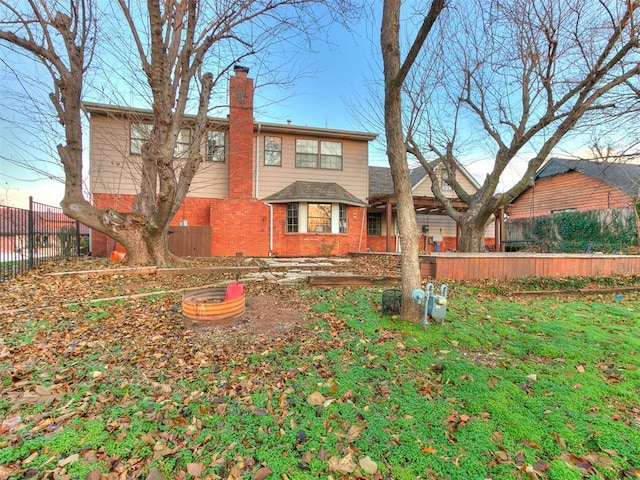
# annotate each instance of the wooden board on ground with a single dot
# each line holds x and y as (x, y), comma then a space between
(107, 271)
(352, 280)
(205, 270)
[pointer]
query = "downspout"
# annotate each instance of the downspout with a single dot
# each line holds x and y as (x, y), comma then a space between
(257, 157)
(364, 212)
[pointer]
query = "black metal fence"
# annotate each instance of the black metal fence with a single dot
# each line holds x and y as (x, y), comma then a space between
(40, 234)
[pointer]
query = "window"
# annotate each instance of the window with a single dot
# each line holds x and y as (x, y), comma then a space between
(444, 175)
(318, 154)
(292, 217)
(343, 218)
(374, 223)
(331, 155)
(273, 151)
(216, 142)
(139, 135)
(319, 217)
(183, 143)
(306, 153)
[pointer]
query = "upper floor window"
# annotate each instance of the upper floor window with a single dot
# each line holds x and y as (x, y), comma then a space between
(273, 151)
(216, 146)
(141, 132)
(139, 135)
(318, 154)
(444, 176)
(183, 144)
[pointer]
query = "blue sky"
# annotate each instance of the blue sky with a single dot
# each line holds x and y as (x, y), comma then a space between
(337, 72)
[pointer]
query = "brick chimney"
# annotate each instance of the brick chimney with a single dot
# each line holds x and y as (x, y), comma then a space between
(240, 134)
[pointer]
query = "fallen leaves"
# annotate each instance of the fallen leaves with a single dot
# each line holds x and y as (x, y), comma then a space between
(342, 465)
(215, 404)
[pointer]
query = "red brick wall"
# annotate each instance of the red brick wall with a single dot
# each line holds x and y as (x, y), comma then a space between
(102, 245)
(569, 190)
(195, 211)
(240, 135)
(239, 227)
(319, 244)
(379, 244)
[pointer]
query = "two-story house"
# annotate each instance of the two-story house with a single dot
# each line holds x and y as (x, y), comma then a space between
(263, 189)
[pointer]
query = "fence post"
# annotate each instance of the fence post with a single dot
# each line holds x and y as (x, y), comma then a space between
(30, 234)
(77, 238)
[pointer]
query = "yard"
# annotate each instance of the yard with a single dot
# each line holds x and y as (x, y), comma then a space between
(99, 382)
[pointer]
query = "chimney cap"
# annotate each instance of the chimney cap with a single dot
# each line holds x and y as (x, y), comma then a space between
(240, 69)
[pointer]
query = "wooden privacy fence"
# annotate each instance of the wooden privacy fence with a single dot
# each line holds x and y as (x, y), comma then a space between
(190, 241)
(472, 266)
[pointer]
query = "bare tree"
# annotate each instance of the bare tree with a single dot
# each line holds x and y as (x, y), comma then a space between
(396, 70)
(175, 42)
(519, 78)
(62, 41)
(630, 154)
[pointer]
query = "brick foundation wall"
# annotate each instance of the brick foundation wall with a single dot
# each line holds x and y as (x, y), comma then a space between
(379, 244)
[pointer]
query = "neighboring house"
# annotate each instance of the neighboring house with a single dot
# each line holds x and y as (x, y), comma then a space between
(578, 185)
(610, 190)
(439, 231)
(263, 189)
(46, 232)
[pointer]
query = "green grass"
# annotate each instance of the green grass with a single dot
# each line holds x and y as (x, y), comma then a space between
(506, 384)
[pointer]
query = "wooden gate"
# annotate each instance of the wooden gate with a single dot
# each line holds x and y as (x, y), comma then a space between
(190, 241)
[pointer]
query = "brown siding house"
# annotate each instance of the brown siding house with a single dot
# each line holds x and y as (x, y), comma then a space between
(579, 185)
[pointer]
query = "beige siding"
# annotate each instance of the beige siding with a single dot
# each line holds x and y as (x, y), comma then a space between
(210, 181)
(354, 176)
(113, 171)
(423, 189)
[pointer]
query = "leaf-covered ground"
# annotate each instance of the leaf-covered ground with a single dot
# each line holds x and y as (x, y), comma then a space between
(314, 383)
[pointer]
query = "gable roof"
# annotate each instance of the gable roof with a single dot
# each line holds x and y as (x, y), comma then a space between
(301, 191)
(381, 182)
(623, 176)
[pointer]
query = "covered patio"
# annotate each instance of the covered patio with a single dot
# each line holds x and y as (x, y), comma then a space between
(424, 205)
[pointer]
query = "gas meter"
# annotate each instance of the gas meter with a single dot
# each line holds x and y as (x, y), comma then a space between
(435, 304)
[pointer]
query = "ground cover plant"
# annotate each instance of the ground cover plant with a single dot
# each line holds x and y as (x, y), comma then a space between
(530, 387)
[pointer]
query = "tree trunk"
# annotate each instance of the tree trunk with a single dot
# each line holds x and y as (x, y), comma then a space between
(397, 154)
(472, 230)
(410, 262)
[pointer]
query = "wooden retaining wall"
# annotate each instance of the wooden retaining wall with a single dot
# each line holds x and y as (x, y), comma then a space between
(471, 266)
